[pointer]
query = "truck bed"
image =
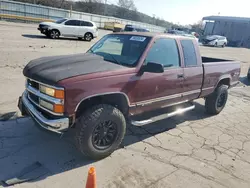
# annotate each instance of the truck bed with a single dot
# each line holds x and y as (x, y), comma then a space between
(213, 60)
(215, 70)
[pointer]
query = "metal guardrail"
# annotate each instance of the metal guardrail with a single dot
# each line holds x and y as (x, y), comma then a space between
(31, 12)
(23, 18)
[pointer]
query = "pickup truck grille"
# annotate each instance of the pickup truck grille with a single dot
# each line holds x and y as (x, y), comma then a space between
(33, 84)
(34, 96)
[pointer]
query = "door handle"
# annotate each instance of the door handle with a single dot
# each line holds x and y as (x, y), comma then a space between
(180, 76)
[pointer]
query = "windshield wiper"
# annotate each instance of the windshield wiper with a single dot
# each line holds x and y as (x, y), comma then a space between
(90, 50)
(115, 60)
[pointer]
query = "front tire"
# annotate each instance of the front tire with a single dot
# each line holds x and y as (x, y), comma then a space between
(215, 102)
(99, 131)
(54, 34)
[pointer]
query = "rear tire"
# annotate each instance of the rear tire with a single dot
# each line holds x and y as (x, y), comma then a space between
(99, 131)
(216, 44)
(223, 46)
(215, 102)
(88, 37)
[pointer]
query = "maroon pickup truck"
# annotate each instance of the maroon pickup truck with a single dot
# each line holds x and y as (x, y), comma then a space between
(122, 79)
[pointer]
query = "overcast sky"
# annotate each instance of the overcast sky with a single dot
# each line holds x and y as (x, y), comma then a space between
(191, 11)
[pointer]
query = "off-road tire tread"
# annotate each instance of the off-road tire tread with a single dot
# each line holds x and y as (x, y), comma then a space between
(211, 100)
(87, 119)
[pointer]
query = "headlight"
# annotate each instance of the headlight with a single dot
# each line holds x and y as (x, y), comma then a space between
(59, 94)
(57, 108)
(45, 26)
(46, 105)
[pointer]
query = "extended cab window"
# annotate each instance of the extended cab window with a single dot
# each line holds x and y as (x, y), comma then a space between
(73, 23)
(164, 51)
(189, 53)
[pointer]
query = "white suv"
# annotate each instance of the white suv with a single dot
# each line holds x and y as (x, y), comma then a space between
(69, 28)
(215, 40)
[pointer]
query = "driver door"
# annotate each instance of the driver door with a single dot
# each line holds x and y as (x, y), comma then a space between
(71, 28)
(159, 90)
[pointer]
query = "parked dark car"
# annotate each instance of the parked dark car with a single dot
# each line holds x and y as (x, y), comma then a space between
(133, 28)
(176, 32)
(122, 78)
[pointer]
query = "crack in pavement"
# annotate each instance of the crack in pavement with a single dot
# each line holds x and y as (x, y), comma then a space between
(161, 178)
(178, 166)
(212, 163)
(207, 142)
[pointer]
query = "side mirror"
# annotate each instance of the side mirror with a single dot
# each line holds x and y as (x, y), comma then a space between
(153, 67)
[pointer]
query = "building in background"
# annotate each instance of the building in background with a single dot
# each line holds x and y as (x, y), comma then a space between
(236, 29)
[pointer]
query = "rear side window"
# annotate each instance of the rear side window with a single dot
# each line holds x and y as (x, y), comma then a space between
(129, 29)
(165, 52)
(73, 23)
(87, 24)
(190, 58)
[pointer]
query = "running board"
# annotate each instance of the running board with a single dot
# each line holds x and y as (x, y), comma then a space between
(162, 116)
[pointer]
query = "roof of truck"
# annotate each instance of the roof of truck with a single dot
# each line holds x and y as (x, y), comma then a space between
(153, 34)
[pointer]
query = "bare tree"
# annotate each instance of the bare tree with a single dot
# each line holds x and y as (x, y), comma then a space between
(61, 3)
(92, 1)
(127, 4)
(197, 27)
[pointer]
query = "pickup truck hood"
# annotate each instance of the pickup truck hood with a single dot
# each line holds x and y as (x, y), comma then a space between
(52, 69)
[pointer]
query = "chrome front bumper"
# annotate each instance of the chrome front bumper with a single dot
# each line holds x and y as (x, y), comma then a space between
(55, 125)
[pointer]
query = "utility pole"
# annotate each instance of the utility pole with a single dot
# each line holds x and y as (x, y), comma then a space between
(105, 8)
(70, 10)
(154, 19)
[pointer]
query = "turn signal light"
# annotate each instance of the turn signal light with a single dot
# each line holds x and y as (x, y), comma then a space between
(59, 94)
(58, 108)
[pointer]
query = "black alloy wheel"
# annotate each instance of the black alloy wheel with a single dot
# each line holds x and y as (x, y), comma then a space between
(104, 134)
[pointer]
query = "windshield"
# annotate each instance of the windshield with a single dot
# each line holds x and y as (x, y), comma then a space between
(121, 49)
(180, 32)
(60, 21)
